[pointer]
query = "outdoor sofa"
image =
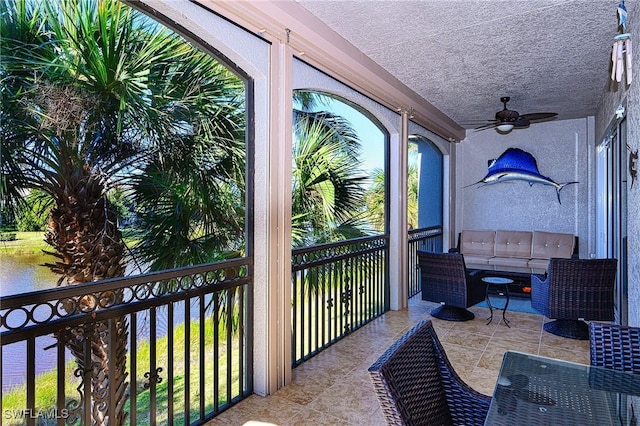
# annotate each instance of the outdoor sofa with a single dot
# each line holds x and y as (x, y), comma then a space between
(503, 250)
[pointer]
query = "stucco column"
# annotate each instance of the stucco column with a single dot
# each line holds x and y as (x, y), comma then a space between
(398, 215)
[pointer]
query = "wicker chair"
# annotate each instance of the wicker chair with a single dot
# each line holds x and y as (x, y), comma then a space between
(445, 280)
(616, 347)
(416, 384)
(574, 290)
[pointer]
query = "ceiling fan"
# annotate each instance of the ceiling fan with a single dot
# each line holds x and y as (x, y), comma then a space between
(507, 119)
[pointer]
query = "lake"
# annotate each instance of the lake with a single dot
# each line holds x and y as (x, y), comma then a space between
(24, 273)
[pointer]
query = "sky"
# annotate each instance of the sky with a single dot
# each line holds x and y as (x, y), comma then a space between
(371, 137)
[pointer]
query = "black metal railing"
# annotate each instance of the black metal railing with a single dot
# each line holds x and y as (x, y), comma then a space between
(187, 348)
(427, 239)
(336, 289)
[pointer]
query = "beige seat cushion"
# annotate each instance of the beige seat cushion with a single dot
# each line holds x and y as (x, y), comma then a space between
(539, 265)
(475, 261)
(509, 262)
(513, 244)
(477, 242)
(552, 244)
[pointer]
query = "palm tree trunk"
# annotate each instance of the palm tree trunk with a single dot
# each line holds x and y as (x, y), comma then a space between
(83, 230)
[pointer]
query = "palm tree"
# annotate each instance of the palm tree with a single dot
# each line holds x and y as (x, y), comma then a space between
(93, 94)
(327, 184)
(375, 198)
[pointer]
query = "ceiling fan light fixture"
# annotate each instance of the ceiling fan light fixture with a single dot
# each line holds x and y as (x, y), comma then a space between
(504, 128)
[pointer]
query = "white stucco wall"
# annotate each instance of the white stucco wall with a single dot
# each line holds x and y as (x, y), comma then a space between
(564, 153)
(633, 194)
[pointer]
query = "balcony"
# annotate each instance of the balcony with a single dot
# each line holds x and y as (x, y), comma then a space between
(183, 320)
(334, 388)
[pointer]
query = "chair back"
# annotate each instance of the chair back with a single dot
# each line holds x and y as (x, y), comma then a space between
(416, 384)
(443, 278)
(407, 381)
(581, 288)
(616, 347)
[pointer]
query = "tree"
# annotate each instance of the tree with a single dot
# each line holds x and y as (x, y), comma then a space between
(327, 184)
(96, 95)
(33, 213)
(375, 198)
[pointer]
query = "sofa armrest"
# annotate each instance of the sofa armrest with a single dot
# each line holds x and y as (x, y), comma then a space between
(454, 250)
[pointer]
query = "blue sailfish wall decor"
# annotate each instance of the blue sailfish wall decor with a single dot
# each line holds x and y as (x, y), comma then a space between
(516, 164)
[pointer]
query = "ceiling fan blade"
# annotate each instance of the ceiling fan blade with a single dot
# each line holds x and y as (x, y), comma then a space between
(486, 126)
(538, 116)
(478, 122)
(521, 123)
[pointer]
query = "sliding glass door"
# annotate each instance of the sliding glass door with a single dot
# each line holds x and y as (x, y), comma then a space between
(611, 219)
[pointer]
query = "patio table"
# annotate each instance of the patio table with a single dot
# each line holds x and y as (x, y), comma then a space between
(536, 390)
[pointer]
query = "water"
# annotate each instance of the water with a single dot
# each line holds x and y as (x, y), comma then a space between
(22, 274)
(25, 273)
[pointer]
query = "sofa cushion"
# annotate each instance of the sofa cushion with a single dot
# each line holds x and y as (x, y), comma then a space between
(475, 261)
(477, 242)
(552, 244)
(513, 244)
(539, 266)
(509, 262)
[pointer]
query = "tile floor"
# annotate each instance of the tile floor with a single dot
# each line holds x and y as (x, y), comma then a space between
(333, 388)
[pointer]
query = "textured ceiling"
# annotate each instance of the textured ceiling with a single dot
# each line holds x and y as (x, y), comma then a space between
(462, 55)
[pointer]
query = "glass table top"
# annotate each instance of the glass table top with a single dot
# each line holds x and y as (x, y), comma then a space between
(497, 280)
(535, 390)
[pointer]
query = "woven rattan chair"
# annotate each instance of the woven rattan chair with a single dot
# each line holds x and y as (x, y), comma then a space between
(616, 347)
(574, 290)
(445, 280)
(416, 384)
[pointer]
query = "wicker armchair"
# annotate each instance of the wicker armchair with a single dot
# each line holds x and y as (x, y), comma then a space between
(616, 347)
(445, 280)
(416, 384)
(574, 290)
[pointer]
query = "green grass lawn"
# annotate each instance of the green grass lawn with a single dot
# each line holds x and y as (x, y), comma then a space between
(33, 242)
(25, 243)
(46, 386)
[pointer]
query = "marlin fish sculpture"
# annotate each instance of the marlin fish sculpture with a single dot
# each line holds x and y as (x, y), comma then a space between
(516, 164)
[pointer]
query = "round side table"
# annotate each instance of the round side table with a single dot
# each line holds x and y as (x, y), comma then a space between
(500, 286)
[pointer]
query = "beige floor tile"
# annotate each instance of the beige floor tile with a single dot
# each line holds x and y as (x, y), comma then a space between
(376, 419)
(483, 380)
(525, 321)
(462, 359)
(466, 338)
(551, 340)
(565, 354)
(348, 401)
(503, 344)
(475, 326)
(519, 335)
(334, 388)
(316, 418)
(491, 359)
(272, 409)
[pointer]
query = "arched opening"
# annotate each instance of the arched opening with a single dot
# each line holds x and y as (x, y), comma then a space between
(425, 199)
(339, 221)
(142, 145)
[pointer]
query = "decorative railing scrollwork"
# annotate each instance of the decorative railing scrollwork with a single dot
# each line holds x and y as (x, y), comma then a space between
(336, 289)
(92, 325)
